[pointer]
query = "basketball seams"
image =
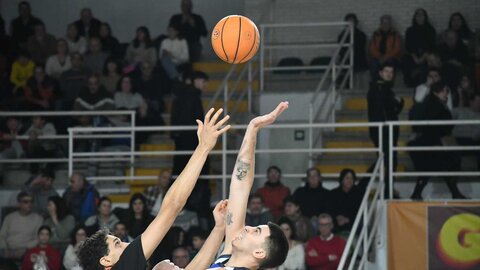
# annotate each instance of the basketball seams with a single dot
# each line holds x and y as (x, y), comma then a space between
(221, 38)
(239, 38)
(253, 45)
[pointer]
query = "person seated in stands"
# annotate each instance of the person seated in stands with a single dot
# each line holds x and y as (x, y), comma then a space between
(312, 198)
(419, 40)
(141, 48)
(59, 62)
(70, 259)
(186, 219)
(72, 82)
(41, 45)
(302, 225)
(10, 146)
(192, 27)
(111, 75)
(274, 192)
(359, 44)
(465, 90)
(81, 197)
(385, 46)
(346, 199)
(37, 147)
(458, 24)
(323, 252)
(40, 91)
(88, 26)
(154, 194)
(137, 217)
(104, 219)
(296, 252)
(120, 230)
(468, 134)
(110, 43)
(19, 229)
(435, 108)
(22, 26)
(180, 257)
(94, 97)
(43, 256)
(173, 53)
(151, 87)
(95, 58)
(76, 43)
(60, 221)
(423, 90)
(257, 214)
(22, 71)
(198, 236)
(40, 187)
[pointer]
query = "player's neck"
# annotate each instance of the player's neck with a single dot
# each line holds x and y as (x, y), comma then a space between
(242, 261)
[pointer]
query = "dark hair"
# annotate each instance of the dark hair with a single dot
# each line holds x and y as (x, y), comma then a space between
(313, 169)
(196, 231)
(427, 19)
(93, 249)
(387, 64)
(24, 3)
(290, 199)
(285, 220)
(39, 23)
(44, 227)
(24, 53)
(60, 205)
(199, 75)
(22, 195)
(102, 199)
(344, 173)
(465, 29)
(276, 247)
(120, 81)
(139, 196)
(274, 168)
(437, 87)
(46, 172)
(108, 27)
(78, 35)
(109, 60)
(352, 16)
(255, 196)
(73, 235)
(148, 40)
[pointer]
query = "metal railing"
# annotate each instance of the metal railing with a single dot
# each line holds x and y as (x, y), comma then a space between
(365, 226)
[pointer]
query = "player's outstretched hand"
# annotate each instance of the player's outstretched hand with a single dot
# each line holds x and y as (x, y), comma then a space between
(267, 119)
(220, 213)
(209, 130)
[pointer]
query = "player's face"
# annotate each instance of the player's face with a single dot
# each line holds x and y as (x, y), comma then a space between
(252, 239)
(115, 248)
(387, 74)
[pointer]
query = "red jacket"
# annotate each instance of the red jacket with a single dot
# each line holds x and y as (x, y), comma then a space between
(393, 46)
(323, 248)
(53, 258)
(273, 197)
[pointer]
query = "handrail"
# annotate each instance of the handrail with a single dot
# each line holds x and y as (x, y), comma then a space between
(66, 113)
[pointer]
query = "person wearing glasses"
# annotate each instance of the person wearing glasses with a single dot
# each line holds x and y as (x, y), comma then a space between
(19, 229)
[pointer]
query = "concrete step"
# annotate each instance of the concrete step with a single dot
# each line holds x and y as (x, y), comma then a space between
(360, 104)
(213, 85)
(217, 66)
(358, 168)
(407, 129)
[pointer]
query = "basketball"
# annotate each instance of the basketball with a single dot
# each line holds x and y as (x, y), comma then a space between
(235, 39)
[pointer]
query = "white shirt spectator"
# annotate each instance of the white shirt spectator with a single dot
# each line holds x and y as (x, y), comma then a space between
(295, 259)
(70, 260)
(422, 91)
(55, 68)
(79, 46)
(178, 48)
(128, 100)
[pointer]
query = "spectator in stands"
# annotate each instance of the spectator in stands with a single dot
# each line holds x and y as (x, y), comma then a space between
(154, 194)
(173, 53)
(174, 238)
(121, 232)
(419, 40)
(40, 187)
(72, 82)
(127, 97)
(296, 253)
(137, 217)
(274, 192)
(60, 221)
(88, 26)
(111, 75)
(81, 197)
(10, 146)
(70, 259)
(19, 229)
(435, 109)
(323, 252)
(257, 214)
(38, 148)
(22, 26)
(468, 134)
(110, 43)
(43, 256)
(22, 70)
(180, 257)
(359, 44)
(104, 219)
(186, 219)
(312, 198)
(346, 200)
(302, 225)
(422, 91)
(198, 236)
(76, 43)
(59, 62)
(39, 91)
(384, 106)
(458, 24)
(192, 27)
(95, 58)
(151, 87)
(465, 90)
(141, 48)
(41, 45)
(385, 46)
(94, 97)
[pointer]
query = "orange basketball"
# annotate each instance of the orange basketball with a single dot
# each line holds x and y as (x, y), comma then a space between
(235, 39)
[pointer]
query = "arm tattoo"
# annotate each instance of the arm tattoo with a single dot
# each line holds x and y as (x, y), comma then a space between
(229, 218)
(242, 170)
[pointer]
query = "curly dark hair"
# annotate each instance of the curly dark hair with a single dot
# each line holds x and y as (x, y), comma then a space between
(94, 248)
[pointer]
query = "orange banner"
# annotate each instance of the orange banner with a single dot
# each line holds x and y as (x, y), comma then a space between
(433, 236)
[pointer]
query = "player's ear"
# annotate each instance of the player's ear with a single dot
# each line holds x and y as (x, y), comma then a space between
(104, 261)
(259, 253)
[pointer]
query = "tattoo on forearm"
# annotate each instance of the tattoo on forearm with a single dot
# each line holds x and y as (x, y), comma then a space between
(242, 169)
(229, 218)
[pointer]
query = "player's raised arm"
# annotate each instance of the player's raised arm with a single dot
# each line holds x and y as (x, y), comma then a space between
(242, 176)
(177, 195)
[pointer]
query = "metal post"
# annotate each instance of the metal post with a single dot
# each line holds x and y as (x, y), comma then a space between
(224, 145)
(334, 90)
(70, 152)
(390, 160)
(351, 56)
(249, 93)
(132, 146)
(365, 236)
(310, 136)
(262, 57)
